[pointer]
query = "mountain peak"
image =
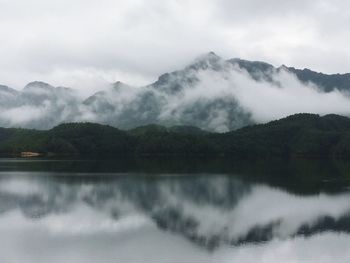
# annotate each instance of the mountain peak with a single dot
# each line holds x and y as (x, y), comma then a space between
(207, 60)
(283, 67)
(39, 85)
(210, 56)
(119, 84)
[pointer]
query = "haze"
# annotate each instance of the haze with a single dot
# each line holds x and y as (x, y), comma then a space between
(85, 44)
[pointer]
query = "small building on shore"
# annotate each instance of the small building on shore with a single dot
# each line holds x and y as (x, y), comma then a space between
(29, 154)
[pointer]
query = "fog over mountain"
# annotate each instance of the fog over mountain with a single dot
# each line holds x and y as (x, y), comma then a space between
(211, 93)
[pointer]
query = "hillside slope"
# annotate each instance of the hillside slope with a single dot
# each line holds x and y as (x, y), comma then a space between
(307, 135)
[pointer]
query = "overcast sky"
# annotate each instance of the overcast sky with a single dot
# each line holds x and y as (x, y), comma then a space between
(85, 43)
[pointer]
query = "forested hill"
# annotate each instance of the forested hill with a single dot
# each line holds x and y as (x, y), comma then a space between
(306, 135)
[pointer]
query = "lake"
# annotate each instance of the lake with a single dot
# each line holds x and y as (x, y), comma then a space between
(174, 210)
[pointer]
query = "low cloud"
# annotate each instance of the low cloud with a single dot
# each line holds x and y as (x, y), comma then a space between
(136, 40)
(210, 93)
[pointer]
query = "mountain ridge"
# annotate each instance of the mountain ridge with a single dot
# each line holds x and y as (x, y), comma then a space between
(210, 93)
(210, 59)
(299, 135)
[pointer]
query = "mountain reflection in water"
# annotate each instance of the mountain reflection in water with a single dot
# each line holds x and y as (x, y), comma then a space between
(208, 212)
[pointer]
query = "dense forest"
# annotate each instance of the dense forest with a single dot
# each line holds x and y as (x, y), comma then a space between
(306, 135)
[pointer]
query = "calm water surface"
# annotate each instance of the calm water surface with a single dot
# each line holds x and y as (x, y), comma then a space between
(170, 210)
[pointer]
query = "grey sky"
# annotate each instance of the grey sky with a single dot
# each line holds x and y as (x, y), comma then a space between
(86, 43)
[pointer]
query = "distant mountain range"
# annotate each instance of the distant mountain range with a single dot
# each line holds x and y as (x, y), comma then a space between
(208, 93)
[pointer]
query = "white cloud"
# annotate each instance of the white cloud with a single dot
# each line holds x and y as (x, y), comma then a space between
(135, 41)
(218, 100)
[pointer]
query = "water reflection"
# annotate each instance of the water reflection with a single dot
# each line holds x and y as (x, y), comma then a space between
(203, 212)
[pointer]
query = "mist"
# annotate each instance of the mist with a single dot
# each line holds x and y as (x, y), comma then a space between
(210, 93)
(137, 40)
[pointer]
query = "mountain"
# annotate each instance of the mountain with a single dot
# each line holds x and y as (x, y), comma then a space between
(296, 135)
(257, 70)
(210, 93)
(305, 135)
(175, 98)
(4, 90)
(7, 96)
(326, 82)
(37, 105)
